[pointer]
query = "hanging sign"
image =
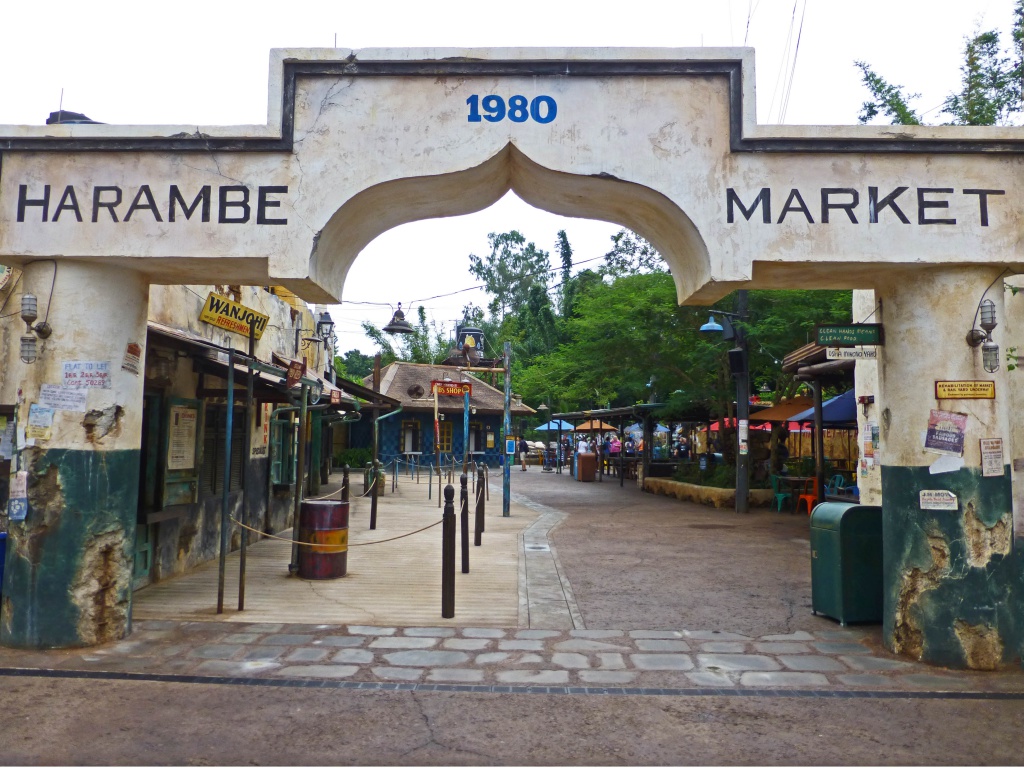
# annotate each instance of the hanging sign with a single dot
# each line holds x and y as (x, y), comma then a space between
(335, 397)
(965, 390)
(5, 276)
(451, 388)
(853, 335)
(851, 353)
(232, 316)
(992, 457)
(296, 370)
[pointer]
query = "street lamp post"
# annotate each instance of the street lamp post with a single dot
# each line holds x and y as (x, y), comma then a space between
(739, 365)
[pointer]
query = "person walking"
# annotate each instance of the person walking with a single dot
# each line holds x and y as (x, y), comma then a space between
(524, 448)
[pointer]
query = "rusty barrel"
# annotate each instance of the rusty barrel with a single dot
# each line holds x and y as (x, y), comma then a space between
(324, 523)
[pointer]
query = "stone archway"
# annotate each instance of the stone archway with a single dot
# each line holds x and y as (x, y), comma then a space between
(662, 141)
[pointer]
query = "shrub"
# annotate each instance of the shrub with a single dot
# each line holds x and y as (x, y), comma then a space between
(354, 457)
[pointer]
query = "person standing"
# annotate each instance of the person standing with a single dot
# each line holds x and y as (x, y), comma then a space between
(524, 448)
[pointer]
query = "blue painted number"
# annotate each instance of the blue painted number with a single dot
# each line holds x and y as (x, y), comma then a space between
(542, 109)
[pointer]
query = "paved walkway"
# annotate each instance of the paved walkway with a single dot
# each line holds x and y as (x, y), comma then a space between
(543, 643)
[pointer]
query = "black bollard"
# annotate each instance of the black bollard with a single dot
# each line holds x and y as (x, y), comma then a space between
(464, 521)
(374, 479)
(344, 484)
(479, 527)
(448, 555)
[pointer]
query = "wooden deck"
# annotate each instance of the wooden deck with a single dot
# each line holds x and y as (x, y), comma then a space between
(397, 583)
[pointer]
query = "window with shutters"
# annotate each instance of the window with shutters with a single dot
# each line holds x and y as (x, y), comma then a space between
(445, 429)
(282, 451)
(212, 475)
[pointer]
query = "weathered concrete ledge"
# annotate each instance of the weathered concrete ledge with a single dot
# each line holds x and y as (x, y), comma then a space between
(703, 494)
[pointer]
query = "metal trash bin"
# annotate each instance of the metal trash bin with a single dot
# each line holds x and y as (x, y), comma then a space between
(324, 523)
(586, 467)
(846, 562)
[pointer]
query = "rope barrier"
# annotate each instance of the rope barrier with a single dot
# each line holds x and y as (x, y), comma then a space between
(308, 544)
(361, 496)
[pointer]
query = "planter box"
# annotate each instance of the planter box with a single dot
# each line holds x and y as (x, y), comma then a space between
(722, 498)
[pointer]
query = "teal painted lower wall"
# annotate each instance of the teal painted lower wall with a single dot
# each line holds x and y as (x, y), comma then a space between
(953, 582)
(68, 574)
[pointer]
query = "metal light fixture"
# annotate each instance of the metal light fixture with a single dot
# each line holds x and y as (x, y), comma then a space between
(712, 325)
(28, 349)
(29, 313)
(398, 323)
(325, 326)
(983, 337)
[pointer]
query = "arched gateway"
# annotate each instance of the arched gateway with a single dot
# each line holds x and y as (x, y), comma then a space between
(664, 142)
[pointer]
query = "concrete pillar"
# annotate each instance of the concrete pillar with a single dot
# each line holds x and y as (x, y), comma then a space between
(952, 593)
(68, 580)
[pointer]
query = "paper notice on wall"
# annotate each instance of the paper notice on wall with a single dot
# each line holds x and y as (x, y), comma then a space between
(945, 433)
(17, 502)
(945, 464)
(7, 442)
(63, 398)
(40, 422)
(87, 373)
(181, 443)
(992, 457)
(132, 361)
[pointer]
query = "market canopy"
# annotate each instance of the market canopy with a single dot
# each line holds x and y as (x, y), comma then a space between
(638, 428)
(839, 411)
(783, 411)
(594, 425)
(554, 426)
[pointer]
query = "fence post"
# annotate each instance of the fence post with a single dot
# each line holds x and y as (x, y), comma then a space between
(345, 484)
(375, 477)
(448, 555)
(479, 532)
(464, 521)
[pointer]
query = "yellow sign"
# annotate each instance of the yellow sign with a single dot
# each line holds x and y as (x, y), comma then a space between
(231, 316)
(965, 390)
(452, 388)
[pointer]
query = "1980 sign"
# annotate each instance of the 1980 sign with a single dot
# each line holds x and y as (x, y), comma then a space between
(542, 109)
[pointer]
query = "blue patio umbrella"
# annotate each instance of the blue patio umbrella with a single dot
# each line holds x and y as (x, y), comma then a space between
(638, 429)
(554, 425)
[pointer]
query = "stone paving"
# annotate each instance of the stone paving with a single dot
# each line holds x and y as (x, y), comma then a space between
(475, 656)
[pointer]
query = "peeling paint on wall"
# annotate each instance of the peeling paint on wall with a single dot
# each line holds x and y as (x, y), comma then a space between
(984, 541)
(98, 589)
(908, 637)
(98, 424)
(983, 648)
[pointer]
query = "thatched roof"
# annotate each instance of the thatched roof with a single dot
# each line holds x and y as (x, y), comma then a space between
(409, 383)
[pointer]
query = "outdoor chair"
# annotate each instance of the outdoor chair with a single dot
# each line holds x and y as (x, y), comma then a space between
(781, 497)
(810, 495)
(835, 484)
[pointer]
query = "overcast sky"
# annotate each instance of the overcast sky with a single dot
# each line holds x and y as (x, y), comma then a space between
(205, 63)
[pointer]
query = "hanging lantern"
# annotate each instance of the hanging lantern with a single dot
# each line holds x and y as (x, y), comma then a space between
(28, 349)
(398, 323)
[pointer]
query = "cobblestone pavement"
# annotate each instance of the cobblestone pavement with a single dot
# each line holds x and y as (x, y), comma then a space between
(567, 641)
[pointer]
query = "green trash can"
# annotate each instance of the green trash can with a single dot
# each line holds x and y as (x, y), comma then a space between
(846, 562)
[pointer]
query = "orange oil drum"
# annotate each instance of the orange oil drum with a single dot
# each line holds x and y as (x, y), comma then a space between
(324, 523)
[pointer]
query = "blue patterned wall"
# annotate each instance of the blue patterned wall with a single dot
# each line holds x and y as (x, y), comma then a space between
(361, 436)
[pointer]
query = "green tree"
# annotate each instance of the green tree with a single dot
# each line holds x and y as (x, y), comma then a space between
(631, 255)
(509, 271)
(426, 344)
(990, 84)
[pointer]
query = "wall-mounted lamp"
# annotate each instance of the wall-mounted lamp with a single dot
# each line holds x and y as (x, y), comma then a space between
(440, 417)
(325, 326)
(975, 337)
(29, 313)
(472, 409)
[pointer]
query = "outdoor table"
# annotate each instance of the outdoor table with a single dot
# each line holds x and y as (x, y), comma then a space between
(797, 485)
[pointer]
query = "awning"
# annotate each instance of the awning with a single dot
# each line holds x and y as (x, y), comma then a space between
(839, 411)
(784, 411)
